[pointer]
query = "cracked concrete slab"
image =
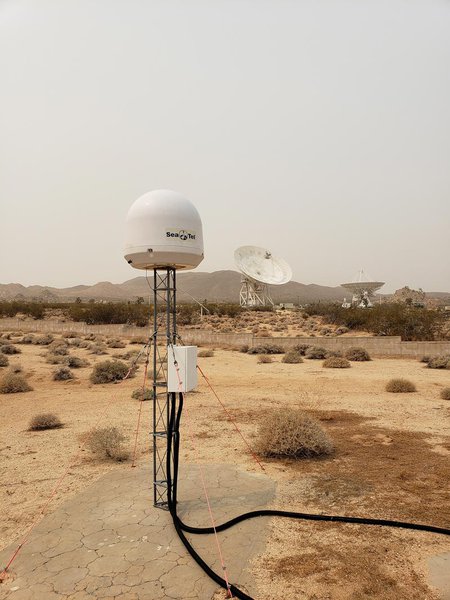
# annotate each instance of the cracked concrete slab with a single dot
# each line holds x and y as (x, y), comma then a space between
(110, 542)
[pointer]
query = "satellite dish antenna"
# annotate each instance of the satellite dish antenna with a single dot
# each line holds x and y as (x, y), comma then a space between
(259, 270)
(363, 288)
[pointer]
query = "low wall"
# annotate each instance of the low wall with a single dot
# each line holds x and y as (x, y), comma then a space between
(376, 346)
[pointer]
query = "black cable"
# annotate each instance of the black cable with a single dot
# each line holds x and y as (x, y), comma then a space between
(173, 445)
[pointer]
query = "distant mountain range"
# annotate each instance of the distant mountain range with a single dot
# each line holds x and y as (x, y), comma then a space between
(220, 286)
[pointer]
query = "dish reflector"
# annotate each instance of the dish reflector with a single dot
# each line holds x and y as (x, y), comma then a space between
(259, 264)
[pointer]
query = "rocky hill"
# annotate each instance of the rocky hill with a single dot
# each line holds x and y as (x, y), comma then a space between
(221, 286)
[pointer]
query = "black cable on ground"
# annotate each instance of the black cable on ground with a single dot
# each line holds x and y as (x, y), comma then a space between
(173, 448)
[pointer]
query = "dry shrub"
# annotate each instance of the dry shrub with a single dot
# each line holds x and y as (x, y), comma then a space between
(400, 386)
(43, 340)
(425, 359)
(205, 353)
(441, 361)
(140, 394)
(336, 362)
(76, 341)
(58, 347)
(10, 349)
(266, 349)
(98, 349)
(109, 371)
(244, 348)
(62, 374)
(107, 442)
(264, 359)
(302, 348)
(75, 362)
(138, 340)
(4, 362)
(71, 335)
(357, 354)
(290, 433)
(331, 353)
(316, 353)
(292, 357)
(27, 339)
(445, 393)
(55, 359)
(13, 383)
(115, 343)
(45, 421)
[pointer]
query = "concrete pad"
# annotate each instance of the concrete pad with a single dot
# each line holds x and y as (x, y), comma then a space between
(439, 574)
(110, 542)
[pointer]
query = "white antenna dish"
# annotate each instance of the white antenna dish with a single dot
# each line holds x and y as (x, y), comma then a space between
(363, 288)
(259, 269)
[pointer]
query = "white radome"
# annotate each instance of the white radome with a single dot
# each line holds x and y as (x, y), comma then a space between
(163, 229)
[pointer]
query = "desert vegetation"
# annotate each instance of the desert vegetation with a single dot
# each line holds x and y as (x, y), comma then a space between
(409, 322)
(357, 354)
(109, 371)
(45, 421)
(13, 382)
(62, 374)
(400, 386)
(445, 393)
(336, 362)
(205, 353)
(107, 442)
(292, 357)
(142, 394)
(290, 433)
(439, 362)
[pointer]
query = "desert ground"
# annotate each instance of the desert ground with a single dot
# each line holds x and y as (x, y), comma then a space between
(391, 460)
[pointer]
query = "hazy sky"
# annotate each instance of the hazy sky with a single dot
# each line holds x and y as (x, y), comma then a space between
(319, 129)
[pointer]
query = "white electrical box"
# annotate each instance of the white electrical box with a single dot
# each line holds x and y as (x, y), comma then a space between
(181, 377)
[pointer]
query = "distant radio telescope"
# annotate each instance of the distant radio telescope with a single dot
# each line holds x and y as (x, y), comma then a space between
(259, 270)
(363, 289)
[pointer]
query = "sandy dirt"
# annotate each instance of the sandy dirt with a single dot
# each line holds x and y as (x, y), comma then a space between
(391, 461)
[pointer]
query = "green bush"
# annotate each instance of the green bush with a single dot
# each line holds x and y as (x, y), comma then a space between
(400, 386)
(289, 433)
(409, 322)
(292, 357)
(14, 383)
(336, 362)
(45, 421)
(357, 354)
(109, 371)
